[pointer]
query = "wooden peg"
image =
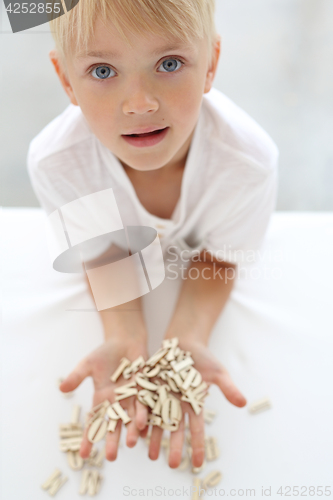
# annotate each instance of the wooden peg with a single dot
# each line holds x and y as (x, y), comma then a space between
(93, 482)
(151, 372)
(105, 404)
(155, 358)
(164, 363)
(75, 414)
(93, 452)
(90, 482)
(176, 378)
(97, 430)
(75, 461)
(170, 343)
(178, 366)
(137, 364)
(172, 384)
(134, 367)
(196, 494)
(121, 412)
(54, 482)
(165, 443)
(154, 420)
(197, 380)
(84, 482)
(212, 479)
(124, 362)
(173, 426)
(144, 383)
(56, 485)
(196, 405)
(211, 448)
(147, 398)
(67, 444)
(191, 374)
(112, 425)
(71, 433)
(112, 413)
(99, 459)
(126, 391)
(208, 415)
(176, 410)
(163, 375)
(184, 373)
(98, 414)
(55, 475)
(200, 389)
(260, 405)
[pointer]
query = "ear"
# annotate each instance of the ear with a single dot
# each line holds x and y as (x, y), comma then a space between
(213, 67)
(59, 66)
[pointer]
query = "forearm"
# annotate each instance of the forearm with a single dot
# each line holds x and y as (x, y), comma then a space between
(201, 300)
(125, 319)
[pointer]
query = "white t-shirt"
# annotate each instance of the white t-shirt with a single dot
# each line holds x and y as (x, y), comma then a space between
(228, 189)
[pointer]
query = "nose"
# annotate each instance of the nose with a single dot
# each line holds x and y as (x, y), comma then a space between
(139, 101)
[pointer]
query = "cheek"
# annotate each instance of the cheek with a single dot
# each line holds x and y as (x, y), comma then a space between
(186, 106)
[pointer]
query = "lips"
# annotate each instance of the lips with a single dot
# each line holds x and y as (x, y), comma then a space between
(146, 139)
(146, 133)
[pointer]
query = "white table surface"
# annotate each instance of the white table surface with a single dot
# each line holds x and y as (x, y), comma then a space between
(275, 337)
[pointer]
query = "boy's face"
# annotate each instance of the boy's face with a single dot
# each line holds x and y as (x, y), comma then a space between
(156, 83)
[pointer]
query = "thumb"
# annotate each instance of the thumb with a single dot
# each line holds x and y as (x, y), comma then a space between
(74, 379)
(225, 383)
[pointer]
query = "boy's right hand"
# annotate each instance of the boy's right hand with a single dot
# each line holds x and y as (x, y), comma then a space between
(100, 365)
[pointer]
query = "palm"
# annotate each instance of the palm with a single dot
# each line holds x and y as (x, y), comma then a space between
(212, 373)
(100, 365)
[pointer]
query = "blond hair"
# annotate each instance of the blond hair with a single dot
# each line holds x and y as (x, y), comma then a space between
(183, 19)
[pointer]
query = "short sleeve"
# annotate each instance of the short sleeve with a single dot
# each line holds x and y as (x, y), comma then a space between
(42, 185)
(240, 235)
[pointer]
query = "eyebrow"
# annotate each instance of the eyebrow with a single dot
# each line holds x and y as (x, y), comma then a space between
(114, 55)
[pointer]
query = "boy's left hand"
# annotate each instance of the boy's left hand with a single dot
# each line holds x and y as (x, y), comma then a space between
(213, 373)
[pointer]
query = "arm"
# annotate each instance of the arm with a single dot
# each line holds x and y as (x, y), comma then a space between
(124, 336)
(200, 303)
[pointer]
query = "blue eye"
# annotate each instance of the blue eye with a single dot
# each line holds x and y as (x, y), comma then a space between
(101, 72)
(170, 65)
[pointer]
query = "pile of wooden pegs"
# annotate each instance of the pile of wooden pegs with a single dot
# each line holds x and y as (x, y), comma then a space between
(169, 370)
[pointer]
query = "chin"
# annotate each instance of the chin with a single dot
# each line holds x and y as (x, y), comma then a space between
(145, 167)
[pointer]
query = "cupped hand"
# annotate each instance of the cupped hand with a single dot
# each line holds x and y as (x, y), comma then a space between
(100, 365)
(212, 373)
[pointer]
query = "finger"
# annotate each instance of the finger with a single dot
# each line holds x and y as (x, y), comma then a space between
(112, 442)
(197, 431)
(141, 417)
(144, 433)
(155, 442)
(74, 379)
(86, 445)
(132, 430)
(176, 445)
(225, 383)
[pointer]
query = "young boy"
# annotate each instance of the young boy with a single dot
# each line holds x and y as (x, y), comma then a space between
(206, 181)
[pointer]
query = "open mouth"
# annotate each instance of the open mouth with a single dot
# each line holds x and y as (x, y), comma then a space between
(148, 134)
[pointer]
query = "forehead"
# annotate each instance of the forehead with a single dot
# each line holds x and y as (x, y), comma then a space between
(107, 41)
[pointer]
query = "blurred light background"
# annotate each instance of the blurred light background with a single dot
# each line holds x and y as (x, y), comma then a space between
(276, 63)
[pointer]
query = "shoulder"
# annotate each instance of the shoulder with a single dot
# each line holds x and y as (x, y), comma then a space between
(234, 135)
(63, 133)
